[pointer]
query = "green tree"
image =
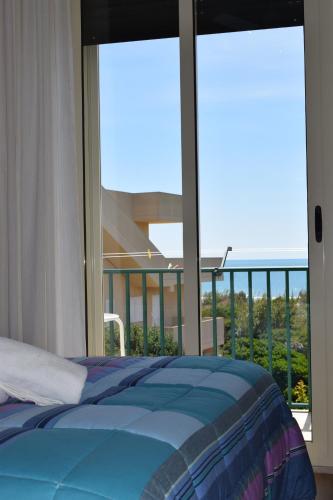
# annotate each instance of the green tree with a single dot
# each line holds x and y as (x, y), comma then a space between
(137, 342)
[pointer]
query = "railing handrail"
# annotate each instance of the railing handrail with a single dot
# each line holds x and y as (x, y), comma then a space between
(155, 270)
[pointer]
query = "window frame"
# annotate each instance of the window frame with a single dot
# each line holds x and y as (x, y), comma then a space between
(318, 35)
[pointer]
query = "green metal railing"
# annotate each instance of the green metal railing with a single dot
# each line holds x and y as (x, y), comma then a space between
(161, 276)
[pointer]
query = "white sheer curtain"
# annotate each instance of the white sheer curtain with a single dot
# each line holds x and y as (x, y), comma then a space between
(41, 247)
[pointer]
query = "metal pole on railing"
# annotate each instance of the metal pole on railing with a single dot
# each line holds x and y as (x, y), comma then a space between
(224, 260)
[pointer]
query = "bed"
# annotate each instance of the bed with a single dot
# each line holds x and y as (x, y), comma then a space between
(152, 428)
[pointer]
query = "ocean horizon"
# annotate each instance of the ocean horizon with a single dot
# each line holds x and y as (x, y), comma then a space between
(297, 279)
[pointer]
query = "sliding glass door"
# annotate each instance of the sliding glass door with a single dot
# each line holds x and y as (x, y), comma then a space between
(239, 67)
(206, 192)
(265, 150)
(142, 208)
(148, 236)
(253, 191)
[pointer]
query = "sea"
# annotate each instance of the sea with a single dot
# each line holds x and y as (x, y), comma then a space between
(297, 279)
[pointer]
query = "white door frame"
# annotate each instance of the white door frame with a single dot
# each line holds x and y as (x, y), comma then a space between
(319, 107)
(190, 176)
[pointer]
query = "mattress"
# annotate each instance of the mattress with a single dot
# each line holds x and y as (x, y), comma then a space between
(152, 428)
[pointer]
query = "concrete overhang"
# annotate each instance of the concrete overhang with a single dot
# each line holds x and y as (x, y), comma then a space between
(149, 208)
(157, 208)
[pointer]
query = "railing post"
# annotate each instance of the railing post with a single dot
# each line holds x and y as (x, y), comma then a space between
(232, 314)
(214, 313)
(161, 287)
(128, 313)
(179, 314)
(250, 326)
(269, 321)
(111, 327)
(288, 338)
(144, 313)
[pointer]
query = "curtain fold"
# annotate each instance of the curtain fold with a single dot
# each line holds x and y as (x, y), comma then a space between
(41, 247)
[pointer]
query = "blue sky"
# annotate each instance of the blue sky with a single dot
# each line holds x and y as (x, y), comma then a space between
(252, 158)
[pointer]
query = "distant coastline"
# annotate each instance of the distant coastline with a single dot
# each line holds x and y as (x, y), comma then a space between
(297, 278)
(266, 262)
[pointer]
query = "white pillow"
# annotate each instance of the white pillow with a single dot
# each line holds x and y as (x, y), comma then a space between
(3, 396)
(32, 374)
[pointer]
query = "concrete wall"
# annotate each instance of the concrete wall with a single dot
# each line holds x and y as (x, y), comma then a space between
(119, 294)
(206, 335)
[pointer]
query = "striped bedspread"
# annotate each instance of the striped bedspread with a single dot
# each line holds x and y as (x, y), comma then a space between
(153, 428)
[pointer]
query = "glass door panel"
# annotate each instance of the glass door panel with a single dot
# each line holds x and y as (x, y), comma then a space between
(141, 174)
(253, 191)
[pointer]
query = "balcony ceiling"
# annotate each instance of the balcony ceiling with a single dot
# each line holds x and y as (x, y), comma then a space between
(111, 21)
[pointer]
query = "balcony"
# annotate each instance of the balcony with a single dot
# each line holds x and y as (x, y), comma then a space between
(270, 327)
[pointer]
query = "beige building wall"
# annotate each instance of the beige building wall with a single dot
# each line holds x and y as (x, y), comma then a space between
(126, 245)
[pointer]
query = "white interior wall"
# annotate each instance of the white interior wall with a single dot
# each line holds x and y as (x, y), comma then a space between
(319, 107)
